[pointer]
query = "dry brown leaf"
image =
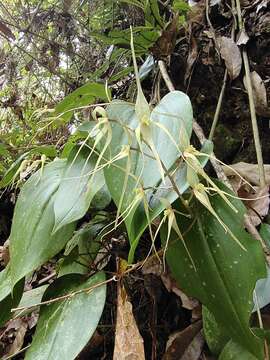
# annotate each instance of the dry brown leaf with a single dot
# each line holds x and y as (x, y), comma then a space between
(195, 348)
(257, 203)
(128, 340)
(248, 171)
(259, 94)
(179, 342)
(4, 29)
(19, 326)
(257, 198)
(231, 54)
(154, 267)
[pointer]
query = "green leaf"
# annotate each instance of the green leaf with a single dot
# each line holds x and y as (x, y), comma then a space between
(65, 327)
(234, 351)
(172, 113)
(215, 334)
(8, 300)
(3, 150)
(77, 187)
(144, 37)
(225, 274)
(30, 298)
(152, 14)
(9, 174)
(82, 248)
(265, 234)
(31, 241)
(48, 150)
(84, 95)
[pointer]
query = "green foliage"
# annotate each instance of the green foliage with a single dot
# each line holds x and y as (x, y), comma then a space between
(8, 300)
(65, 327)
(84, 95)
(32, 242)
(224, 275)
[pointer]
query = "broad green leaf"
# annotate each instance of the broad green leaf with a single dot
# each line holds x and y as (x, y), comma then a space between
(215, 334)
(31, 241)
(225, 274)
(8, 299)
(169, 116)
(84, 95)
(30, 298)
(65, 327)
(234, 351)
(77, 188)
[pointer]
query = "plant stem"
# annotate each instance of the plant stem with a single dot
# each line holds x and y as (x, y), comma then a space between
(218, 108)
(251, 103)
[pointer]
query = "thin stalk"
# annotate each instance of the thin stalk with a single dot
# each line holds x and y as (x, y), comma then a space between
(218, 108)
(251, 103)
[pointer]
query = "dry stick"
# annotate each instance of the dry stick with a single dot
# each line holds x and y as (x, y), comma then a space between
(251, 102)
(217, 167)
(67, 296)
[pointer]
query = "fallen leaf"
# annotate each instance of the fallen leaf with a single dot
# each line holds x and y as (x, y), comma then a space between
(154, 267)
(128, 340)
(231, 54)
(259, 94)
(18, 328)
(256, 198)
(257, 203)
(248, 171)
(4, 29)
(165, 44)
(178, 344)
(195, 348)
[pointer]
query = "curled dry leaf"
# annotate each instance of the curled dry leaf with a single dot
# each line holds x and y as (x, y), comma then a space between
(248, 171)
(257, 198)
(259, 94)
(257, 202)
(185, 344)
(231, 55)
(18, 327)
(128, 340)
